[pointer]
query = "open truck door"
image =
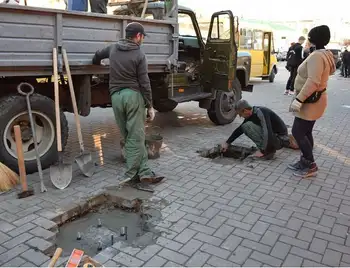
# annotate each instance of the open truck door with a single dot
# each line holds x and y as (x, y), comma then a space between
(219, 67)
(220, 54)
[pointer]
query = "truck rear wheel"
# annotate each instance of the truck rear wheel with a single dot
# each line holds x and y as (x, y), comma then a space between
(222, 110)
(13, 111)
(164, 105)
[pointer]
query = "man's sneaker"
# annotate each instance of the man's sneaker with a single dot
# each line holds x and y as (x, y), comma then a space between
(291, 93)
(310, 171)
(286, 92)
(295, 166)
(153, 178)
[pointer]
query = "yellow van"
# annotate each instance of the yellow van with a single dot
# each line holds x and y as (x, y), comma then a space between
(257, 39)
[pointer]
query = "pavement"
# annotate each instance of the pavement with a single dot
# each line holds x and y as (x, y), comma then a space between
(220, 212)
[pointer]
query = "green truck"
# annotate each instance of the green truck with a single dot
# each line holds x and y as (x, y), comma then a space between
(181, 68)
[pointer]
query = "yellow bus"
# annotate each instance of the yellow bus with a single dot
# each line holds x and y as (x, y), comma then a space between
(257, 39)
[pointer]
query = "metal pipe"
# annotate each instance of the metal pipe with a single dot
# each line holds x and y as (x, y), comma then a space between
(99, 223)
(78, 236)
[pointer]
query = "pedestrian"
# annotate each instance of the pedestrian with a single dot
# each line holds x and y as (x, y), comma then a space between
(264, 127)
(78, 5)
(98, 6)
(294, 59)
(131, 95)
(310, 100)
(346, 62)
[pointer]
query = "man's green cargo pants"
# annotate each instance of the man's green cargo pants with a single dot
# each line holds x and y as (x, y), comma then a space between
(130, 115)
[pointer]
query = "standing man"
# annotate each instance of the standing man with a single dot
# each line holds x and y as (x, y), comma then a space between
(131, 95)
(98, 6)
(346, 62)
(264, 127)
(294, 59)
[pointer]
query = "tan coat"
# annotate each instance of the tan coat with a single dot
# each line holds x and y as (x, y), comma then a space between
(313, 76)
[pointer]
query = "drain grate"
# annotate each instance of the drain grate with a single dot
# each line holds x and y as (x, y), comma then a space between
(233, 151)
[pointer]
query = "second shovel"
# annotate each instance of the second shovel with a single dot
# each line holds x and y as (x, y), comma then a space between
(84, 160)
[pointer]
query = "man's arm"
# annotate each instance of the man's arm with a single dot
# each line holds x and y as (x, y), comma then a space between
(235, 134)
(100, 55)
(145, 84)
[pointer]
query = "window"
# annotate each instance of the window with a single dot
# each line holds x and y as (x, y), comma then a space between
(258, 40)
(221, 27)
(186, 25)
(246, 39)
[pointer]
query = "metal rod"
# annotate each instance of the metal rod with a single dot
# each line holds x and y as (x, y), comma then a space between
(78, 236)
(99, 223)
(112, 239)
(99, 248)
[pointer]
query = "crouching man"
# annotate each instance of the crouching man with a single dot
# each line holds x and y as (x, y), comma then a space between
(264, 127)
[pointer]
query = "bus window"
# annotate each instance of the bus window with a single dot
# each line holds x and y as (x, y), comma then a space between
(258, 40)
(246, 39)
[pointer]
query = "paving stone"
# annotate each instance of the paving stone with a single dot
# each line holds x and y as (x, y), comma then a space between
(185, 236)
(266, 259)
(306, 254)
(2, 250)
(269, 238)
(16, 262)
(9, 217)
(28, 264)
(280, 250)
(240, 255)
(331, 258)
(245, 234)
(148, 252)
(105, 255)
(292, 261)
(180, 225)
(340, 230)
(306, 234)
(45, 223)
(111, 263)
(35, 257)
(224, 231)
(191, 247)
(231, 242)
(22, 229)
(282, 230)
(196, 219)
(41, 244)
(127, 260)
(216, 251)
(208, 239)
(4, 238)
(308, 263)
(173, 256)
(164, 242)
(17, 240)
(202, 228)
(43, 233)
(294, 224)
(330, 238)
(172, 264)
(260, 227)
(12, 253)
(327, 221)
(294, 242)
(25, 220)
(175, 216)
(216, 221)
(252, 263)
(218, 262)
(318, 245)
(156, 261)
(198, 259)
(256, 246)
(6, 227)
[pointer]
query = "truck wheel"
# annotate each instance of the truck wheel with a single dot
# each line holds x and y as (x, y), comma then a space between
(13, 111)
(222, 110)
(164, 105)
(272, 76)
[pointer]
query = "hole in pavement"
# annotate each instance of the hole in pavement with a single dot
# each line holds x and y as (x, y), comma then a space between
(125, 215)
(233, 151)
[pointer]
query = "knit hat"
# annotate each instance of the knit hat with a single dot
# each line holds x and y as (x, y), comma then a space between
(320, 35)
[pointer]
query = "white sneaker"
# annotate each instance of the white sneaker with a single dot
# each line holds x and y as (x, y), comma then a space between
(291, 93)
(286, 92)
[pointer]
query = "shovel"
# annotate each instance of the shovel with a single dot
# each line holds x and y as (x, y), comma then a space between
(60, 174)
(84, 160)
(32, 124)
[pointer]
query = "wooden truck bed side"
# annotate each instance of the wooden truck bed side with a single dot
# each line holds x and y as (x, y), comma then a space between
(27, 36)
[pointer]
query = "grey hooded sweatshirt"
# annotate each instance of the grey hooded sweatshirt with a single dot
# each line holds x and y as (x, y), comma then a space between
(127, 68)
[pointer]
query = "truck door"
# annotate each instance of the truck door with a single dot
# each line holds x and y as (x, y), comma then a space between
(220, 53)
(267, 42)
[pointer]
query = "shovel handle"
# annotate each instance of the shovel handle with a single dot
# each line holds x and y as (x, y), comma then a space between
(74, 101)
(57, 100)
(55, 257)
(20, 157)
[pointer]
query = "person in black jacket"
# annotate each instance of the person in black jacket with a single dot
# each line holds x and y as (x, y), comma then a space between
(346, 62)
(294, 59)
(98, 6)
(264, 127)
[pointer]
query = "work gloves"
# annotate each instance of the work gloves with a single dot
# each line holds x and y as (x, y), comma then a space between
(295, 106)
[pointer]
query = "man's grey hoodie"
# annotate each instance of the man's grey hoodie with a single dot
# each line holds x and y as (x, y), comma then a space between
(127, 68)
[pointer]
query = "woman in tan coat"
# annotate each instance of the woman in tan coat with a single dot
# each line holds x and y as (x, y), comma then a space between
(310, 100)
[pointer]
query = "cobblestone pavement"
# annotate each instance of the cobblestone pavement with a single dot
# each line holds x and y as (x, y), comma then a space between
(221, 212)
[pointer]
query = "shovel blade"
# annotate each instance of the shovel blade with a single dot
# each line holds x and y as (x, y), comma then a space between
(86, 164)
(61, 175)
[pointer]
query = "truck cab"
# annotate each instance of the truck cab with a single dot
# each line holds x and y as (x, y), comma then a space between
(211, 72)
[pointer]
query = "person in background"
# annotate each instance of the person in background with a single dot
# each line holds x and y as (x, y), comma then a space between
(77, 5)
(264, 127)
(294, 59)
(131, 95)
(310, 100)
(98, 6)
(346, 62)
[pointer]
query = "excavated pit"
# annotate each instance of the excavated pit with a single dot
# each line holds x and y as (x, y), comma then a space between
(126, 215)
(233, 151)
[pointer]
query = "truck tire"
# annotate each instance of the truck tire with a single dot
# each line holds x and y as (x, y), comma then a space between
(13, 110)
(164, 105)
(222, 110)
(272, 76)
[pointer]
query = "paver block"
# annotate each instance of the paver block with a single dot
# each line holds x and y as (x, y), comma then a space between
(22, 229)
(240, 255)
(293, 261)
(12, 253)
(6, 227)
(127, 260)
(198, 259)
(252, 263)
(25, 220)
(216, 251)
(17, 240)
(269, 238)
(46, 224)
(173, 256)
(256, 246)
(280, 250)
(191, 247)
(148, 252)
(331, 258)
(16, 262)
(306, 254)
(266, 259)
(231, 242)
(42, 245)
(164, 242)
(218, 262)
(43, 233)
(156, 261)
(185, 235)
(35, 257)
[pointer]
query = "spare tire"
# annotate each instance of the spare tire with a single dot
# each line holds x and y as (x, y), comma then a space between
(13, 111)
